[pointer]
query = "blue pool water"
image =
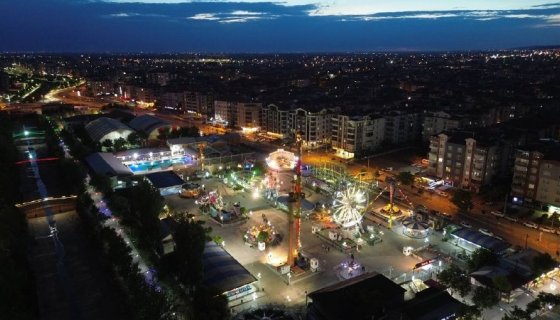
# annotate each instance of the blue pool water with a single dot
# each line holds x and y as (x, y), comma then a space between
(157, 164)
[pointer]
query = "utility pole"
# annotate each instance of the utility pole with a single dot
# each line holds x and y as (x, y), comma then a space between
(505, 203)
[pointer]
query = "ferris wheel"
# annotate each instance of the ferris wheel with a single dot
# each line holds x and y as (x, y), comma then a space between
(349, 206)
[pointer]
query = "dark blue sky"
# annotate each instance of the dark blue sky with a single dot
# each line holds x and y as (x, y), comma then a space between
(291, 26)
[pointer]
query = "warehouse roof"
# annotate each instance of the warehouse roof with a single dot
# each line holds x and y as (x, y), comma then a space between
(99, 128)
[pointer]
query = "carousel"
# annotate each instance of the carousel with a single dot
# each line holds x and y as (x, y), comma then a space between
(415, 227)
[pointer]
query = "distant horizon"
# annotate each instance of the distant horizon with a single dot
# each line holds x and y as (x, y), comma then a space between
(536, 47)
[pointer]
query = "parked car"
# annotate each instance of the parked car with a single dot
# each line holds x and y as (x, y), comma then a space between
(512, 219)
(497, 213)
(466, 225)
(530, 224)
(486, 232)
(547, 229)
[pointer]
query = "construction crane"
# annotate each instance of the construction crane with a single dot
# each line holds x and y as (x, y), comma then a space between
(294, 208)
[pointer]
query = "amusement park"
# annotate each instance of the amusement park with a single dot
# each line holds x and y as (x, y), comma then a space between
(298, 227)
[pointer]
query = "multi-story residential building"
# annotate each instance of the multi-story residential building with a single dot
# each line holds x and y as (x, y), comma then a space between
(247, 115)
(525, 174)
(314, 127)
(172, 100)
(536, 174)
(548, 190)
(238, 114)
(199, 103)
(402, 127)
(436, 122)
(223, 112)
(275, 120)
(464, 159)
(352, 136)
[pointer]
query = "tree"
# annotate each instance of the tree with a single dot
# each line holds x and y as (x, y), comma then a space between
(209, 305)
(502, 284)
(72, 175)
(480, 258)
(120, 144)
(543, 263)
(262, 236)
(119, 205)
(543, 299)
(516, 314)
(107, 144)
(406, 178)
(469, 313)
(454, 278)
(134, 139)
(190, 240)
(102, 183)
(462, 199)
(485, 297)
(146, 205)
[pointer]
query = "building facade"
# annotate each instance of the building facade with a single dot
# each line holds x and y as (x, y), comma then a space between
(464, 160)
(436, 122)
(548, 189)
(314, 127)
(238, 114)
(525, 174)
(275, 120)
(402, 127)
(353, 136)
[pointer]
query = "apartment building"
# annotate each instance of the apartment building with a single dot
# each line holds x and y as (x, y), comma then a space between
(247, 115)
(403, 127)
(315, 127)
(464, 159)
(548, 189)
(238, 114)
(199, 103)
(536, 173)
(357, 135)
(275, 120)
(436, 122)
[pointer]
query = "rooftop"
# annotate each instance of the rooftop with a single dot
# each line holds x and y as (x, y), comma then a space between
(487, 242)
(164, 179)
(107, 164)
(221, 271)
(361, 297)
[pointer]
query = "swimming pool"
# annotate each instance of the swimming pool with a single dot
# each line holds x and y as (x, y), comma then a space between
(157, 165)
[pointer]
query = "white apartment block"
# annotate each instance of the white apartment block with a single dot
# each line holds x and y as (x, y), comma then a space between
(353, 136)
(315, 127)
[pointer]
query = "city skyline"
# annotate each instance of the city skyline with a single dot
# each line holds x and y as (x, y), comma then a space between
(289, 26)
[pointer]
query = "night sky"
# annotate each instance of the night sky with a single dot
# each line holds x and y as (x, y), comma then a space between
(285, 26)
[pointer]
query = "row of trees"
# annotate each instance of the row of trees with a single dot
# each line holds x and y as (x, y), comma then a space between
(139, 208)
(542, 301)
(17, 287)
(145, 301)
(486, 297)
